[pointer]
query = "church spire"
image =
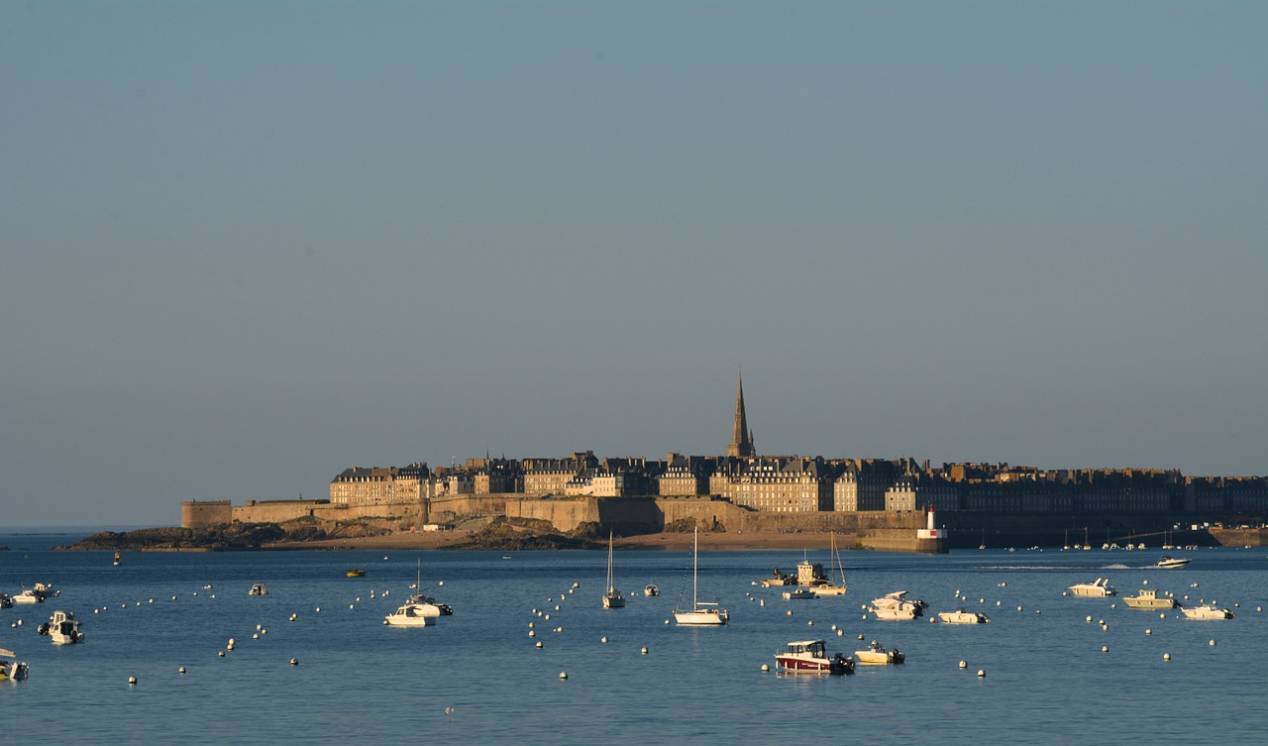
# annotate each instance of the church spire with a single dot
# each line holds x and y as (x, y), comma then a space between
(741, 445)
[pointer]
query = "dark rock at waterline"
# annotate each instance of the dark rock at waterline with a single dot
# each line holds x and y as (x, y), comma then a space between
(227, 536)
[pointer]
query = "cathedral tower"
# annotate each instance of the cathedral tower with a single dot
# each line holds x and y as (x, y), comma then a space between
(741, 445)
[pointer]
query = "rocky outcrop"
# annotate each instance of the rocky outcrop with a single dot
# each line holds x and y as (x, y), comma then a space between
(521, 535)
(227, 536)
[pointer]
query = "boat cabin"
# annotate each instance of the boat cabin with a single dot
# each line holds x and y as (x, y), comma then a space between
(814, 648)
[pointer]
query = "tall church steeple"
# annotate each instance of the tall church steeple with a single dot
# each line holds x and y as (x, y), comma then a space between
(741, 445)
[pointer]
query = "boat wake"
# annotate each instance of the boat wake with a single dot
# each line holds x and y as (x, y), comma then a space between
(1115, 566)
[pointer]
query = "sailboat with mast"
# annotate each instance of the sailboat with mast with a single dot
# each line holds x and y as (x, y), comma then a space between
(419, 610)
(828, 588)
(702, 613)
(612, 598)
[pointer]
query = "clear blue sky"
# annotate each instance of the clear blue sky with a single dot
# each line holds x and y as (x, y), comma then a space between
(245, 245)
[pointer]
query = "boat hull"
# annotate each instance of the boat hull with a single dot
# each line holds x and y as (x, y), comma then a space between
(1149, 604)
(828, 590)
(411, 621)
(707, 618)
(613, 602)
(1206, 614)
(961, 617)
(825, 666)
(877, 657)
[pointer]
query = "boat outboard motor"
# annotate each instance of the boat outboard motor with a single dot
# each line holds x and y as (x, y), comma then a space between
(43, 629)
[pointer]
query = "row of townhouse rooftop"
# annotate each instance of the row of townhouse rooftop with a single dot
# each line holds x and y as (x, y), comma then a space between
(805, 484)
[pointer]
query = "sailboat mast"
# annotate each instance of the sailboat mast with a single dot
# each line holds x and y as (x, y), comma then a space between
(695, 569)
(609, 562)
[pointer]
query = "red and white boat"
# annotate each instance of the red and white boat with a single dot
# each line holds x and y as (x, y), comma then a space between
(811, 656)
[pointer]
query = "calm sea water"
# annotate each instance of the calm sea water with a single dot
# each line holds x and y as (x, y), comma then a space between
(1047, 681)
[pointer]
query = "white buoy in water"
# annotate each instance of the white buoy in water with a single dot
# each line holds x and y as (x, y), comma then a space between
(532, 625)
(546, 617)
(317, 610)
(1105, 648)
(788, 612)
(131, 681)
(1148, 631)
(981, 673)
(441, 582)
(220, 653)
(1019, 608)
(563, 675)
(1162, 615)
(255, 635)
(294, 616)
(532, 633)
(1211, 643)
(180, 670)
(294, 661)
(603, 639)
(840, 632)
(642, 650)
(861, 637)
(964, 665)
(539, 645)
(765, 667)
(810, 622)
(1088, 619)
(1166, 656)
(666, 621)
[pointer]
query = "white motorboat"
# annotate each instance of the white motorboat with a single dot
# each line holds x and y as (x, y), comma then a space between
(876, 655)
(799, 594)
(12, 669)
(412, 615)
(1098, 588)
(44, 591)
(258, 589)
(1205, 612)
(810, 573)
(62, 628)
(650, 590)
(28, 596)
(894, 607)
(811, 656)
(702, 613)
(1171, 563)
(612, 598)
(1148, 598)
(961, 616)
